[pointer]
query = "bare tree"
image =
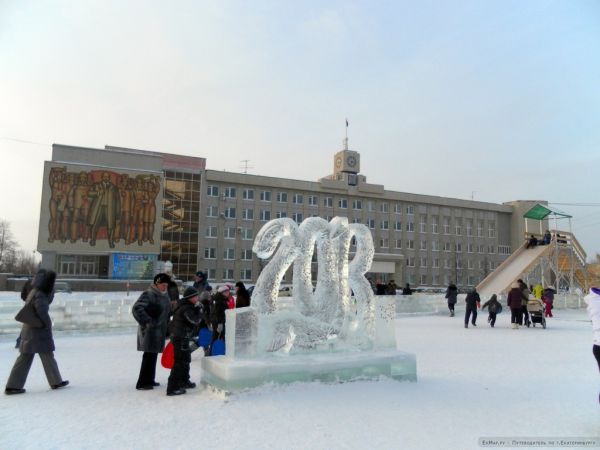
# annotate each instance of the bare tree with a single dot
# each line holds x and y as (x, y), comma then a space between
(8, 245)
(25, 263)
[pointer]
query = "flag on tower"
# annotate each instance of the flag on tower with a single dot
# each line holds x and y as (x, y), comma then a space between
(346, 123)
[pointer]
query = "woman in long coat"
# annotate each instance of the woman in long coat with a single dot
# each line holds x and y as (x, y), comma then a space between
(152, 311)
(37, 340)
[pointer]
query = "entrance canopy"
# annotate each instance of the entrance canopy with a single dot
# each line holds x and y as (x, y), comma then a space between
(540, 212)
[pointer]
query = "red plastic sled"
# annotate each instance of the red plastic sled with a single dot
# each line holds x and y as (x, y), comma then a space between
(168, 356)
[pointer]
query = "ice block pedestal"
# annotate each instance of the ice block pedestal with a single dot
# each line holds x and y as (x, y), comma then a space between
(244, 366)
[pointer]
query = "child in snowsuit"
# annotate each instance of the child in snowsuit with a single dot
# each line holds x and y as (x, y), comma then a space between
(184, 328)
(493, 306)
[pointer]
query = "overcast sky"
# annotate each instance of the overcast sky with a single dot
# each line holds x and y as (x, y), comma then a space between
(495, 100)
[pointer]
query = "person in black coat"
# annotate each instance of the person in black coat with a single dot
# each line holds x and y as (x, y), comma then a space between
(151, 311)
(242, 298)
(451, 295)
(218, 306)
(37, 339)
(407, 290)
(184, 328)
(473, 301)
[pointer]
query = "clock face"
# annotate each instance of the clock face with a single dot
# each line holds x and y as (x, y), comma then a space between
(338, 162)
(351, 161)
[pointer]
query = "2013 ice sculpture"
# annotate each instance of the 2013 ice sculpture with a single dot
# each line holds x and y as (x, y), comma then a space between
(337, 326)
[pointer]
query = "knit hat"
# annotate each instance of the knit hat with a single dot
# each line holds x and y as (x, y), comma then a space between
(223, 289)
(161, 278)
(200, 274)
(189, 293)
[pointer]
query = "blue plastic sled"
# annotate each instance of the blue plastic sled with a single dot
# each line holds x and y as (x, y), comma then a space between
(218, 347)
(204, 337)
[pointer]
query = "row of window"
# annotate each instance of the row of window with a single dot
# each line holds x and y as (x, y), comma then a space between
(265, 215)
(450, 263)
(228, 254)
(435, 279)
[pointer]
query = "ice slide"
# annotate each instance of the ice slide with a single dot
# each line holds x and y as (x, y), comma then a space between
(499, 280)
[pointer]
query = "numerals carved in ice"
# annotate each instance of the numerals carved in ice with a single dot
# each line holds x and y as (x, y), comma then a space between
(323, 314)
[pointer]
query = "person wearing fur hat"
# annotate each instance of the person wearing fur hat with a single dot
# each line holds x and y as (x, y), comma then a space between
(593, 309)
(184, 326)
(242, 296)
(151, 311)
(37, 339)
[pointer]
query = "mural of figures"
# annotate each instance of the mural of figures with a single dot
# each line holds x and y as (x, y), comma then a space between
(86, 206)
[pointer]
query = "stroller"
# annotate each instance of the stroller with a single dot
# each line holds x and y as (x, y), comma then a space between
(535, 307)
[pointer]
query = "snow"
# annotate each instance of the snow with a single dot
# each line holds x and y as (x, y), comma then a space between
(472, 383)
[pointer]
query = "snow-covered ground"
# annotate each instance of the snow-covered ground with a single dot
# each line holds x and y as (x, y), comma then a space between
(473, 383)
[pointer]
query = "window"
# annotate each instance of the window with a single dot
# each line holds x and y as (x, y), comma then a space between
(410, 226)
(434, 225)
(436, 279)
(297, 217)
(229, 192)
(230, 213)
(491, 249)
(423, 262)
(435, 246)
(423, 225)
(247, 234)
(384, 242)
(458, 247)
(356, 204)
(410, 210)
(246, 274)
(471, 280)
(298, 199)
(280, 214)
(435, 263)
(212, 211)
(248, 214)
(470, 264)
(313, 200)
(282, 197)
(211, 274)
(356, 220)
(328, 202)
(491, 229)
(423, 245)
(410, 261)
(459, 264)
(398, 226)
(479, 228)
(248, 194)
(384, 225)
(447, 264)
(457, 229)
(410, 244)
(211, 232)
(265, 196)
(371, 205)
(504, 249)
(398, 208)
(423, 279)
(481, 248)
(343, 203)
(469, 227)
(265, 215)
(229, 253)
(210, 253)
(446, 225)
(212, 191)
(384, 207)
(371, 223)
(228, 274)
(481, 265)
(229, 233)
(446, 246)
(470, 248)
(246, 254)
(398, 243)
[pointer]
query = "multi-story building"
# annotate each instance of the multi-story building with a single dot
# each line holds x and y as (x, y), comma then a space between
(206, 219)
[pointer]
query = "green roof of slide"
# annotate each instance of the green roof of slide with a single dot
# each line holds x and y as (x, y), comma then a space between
(540, 212)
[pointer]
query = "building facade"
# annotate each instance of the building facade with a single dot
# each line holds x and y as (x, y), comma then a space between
(174, 209)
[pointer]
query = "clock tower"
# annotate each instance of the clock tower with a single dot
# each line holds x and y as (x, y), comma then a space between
(346, 160)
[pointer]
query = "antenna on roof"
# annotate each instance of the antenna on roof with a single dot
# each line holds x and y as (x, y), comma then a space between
(245, 166)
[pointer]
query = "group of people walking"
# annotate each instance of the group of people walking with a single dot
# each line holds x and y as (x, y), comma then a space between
(518, 298)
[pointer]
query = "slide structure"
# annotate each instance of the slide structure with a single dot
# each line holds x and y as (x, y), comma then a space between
(499, 281)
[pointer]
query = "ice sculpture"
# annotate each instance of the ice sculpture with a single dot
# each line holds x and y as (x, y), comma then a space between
(323, 315)
(332, 331)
